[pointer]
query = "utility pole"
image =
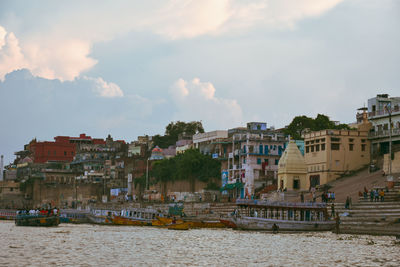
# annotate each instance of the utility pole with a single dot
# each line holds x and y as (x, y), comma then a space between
(389, 110)
(147, 174)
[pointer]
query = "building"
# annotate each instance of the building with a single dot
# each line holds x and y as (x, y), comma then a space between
(332, 153)
(381, 110)
(292, 170)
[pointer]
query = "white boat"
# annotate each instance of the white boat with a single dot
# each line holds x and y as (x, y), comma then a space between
(281, 216)
(99, 216)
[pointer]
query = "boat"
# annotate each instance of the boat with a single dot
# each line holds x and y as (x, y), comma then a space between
(179, 226)
(138, 217)
(204, 223)
(100, 216)
(281, 216)
(228, 223)
(8, 214)
(36, 220)
(73, 216)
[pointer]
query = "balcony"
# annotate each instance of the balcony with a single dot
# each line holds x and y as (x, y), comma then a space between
(384, 112)
(384, 134)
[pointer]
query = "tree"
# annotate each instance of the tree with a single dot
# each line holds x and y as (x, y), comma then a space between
(300, 124)
(174, 130)
(191, 166)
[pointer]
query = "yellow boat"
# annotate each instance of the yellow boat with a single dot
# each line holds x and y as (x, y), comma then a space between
(162, 221)
(205, 224)
(178, 226)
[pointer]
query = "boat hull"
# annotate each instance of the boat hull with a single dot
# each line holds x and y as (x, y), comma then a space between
(106, 220)
(119, 220)
(262, 224)
(28, 220)
(179, 226)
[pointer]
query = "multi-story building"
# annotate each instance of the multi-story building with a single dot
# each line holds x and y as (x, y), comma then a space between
(381, 110)
(332, 153)
(249, 156)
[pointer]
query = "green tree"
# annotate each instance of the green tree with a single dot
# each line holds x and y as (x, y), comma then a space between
(174, 129)
(191, 166)
(300, 124)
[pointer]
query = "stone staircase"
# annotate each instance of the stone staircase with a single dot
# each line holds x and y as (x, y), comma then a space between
(375, 218)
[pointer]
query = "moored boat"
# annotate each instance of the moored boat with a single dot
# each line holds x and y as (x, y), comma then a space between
(74, 216)
(138, 217)
(179, 226)
(99, 216)
(281, 216)
(8, 214)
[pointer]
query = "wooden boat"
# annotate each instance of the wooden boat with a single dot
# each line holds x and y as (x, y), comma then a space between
(98, 216)
(179, 226)
(163, 221)
(138, 217)
(281, 216)
(74, 216)
(228, 223)
(201, 223)
(36, 220)
(8, 214)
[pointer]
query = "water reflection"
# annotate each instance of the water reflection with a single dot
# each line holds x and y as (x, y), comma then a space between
(88, 245)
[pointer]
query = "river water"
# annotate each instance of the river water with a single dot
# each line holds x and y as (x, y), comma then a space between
(96, 245)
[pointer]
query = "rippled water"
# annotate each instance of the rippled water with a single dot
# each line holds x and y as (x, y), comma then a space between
(92, 245)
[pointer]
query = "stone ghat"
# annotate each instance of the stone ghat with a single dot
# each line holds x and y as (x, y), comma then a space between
(372, 218)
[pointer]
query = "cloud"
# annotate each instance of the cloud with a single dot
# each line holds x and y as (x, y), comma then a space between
(11, 57)
(196, 100)
(62, 59)
(105, 89)
(63, 52)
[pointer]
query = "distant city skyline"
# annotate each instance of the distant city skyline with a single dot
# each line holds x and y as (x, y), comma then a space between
(128, 68)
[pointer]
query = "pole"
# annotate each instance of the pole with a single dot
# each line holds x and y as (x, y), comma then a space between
(147, 174)
(390, 141)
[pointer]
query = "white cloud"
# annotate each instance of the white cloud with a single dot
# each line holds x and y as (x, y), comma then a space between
(105, 89)
(11, 57)
(47, 58)
(196, 100)
(63, 52)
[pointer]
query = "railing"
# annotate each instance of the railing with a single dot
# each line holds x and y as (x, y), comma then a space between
(383, 112)
(384, 133)
(280, 204)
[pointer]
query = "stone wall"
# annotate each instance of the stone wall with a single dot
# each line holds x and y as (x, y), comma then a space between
(395, 163)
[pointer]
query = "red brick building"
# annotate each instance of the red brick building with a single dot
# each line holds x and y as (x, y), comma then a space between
(62, 149)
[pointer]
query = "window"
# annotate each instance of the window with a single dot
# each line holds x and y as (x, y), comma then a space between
(276, 161)
(362, 140)
(307, 149)
(351, 146)
(335, 139)
(323, 147)
(317, 148)
(48, 153)
(307, 142)
(261, 149)
(54, 153)
(65, 153)
(244, 149)
(266, 150)
(351, 140)
(335, 146)
(363, 147)
(72, 153)
(258, 161)
(296, 182)
(312, 148)
(317, 141)
(266, 162)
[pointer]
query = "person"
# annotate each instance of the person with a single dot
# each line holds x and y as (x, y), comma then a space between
(275, 228)
(365, 194)
(337, 222)
(382, 195)
(302, 197)
(333, 210)
(371, 195)
(376, 194)
(346, 205)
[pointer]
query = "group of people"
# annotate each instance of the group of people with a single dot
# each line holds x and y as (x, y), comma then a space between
(328, 197)
(375, 195)
(40, 211)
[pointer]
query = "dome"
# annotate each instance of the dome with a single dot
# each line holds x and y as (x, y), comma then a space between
(156, 149)
(292, 161)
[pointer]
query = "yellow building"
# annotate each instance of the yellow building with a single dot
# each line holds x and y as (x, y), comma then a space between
(332, 153)
(292, 169)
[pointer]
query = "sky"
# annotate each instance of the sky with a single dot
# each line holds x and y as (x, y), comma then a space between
(128, 68)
